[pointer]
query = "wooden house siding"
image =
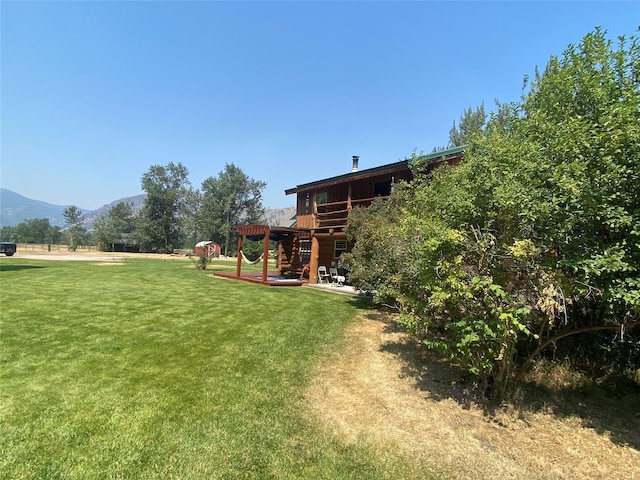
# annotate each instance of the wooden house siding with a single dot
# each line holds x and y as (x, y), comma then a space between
(324, 206)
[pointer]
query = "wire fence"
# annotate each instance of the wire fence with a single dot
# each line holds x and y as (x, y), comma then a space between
(44, 247)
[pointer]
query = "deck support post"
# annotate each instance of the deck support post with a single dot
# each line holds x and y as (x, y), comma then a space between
(239, 263)
(315, 256)
(265, 253)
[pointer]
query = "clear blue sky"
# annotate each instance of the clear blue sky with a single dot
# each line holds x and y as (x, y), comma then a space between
(94, 93)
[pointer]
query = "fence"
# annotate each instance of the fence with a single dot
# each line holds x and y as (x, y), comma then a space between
(43, 247)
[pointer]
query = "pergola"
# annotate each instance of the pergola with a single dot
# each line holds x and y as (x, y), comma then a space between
(256, 232)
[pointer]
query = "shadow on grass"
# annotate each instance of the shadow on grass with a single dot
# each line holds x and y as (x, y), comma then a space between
(361, 303)
(14, 268)
(615, 413)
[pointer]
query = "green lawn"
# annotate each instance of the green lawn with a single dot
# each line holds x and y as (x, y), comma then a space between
(152, 369)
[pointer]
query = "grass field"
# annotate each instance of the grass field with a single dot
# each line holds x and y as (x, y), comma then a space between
(152, 369)
(145, 368)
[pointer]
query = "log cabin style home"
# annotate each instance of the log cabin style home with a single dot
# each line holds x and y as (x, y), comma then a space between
(318, 238)
(323, 208)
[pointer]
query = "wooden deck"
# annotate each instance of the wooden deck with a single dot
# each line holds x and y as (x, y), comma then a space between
(274, 279)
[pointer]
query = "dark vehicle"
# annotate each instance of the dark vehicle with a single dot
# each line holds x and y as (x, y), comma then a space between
(7, 248)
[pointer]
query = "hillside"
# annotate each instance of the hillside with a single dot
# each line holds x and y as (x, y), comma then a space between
(282, 217)
(16, 208)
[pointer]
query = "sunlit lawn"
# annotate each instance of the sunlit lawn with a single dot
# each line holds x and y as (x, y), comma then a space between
(152, 369)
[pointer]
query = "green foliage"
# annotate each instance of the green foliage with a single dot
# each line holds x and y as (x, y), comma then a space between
(159, 228)
(230, 199)
(535, 236)
(76, 231)
(37, 230)
(202, 261)
(191, 218)
(471, 123)
(117, 225)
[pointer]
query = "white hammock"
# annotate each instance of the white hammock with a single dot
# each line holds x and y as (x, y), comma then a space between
(246, 260)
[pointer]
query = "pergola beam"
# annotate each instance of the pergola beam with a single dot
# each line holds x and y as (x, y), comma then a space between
(266, 233)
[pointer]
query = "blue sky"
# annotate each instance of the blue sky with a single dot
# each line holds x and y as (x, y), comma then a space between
(94, 93)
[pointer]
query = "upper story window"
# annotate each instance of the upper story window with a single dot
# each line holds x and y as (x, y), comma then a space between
(321, 201)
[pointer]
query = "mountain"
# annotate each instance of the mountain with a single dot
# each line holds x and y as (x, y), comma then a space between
(281, 217)
(14, 208)
(136, 203)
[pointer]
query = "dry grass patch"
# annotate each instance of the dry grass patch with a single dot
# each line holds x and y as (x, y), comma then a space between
(383, 390)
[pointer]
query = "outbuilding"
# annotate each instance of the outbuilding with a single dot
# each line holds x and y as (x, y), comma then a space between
(207, 248)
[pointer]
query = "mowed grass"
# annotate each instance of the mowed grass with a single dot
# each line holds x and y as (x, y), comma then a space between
(152, 369)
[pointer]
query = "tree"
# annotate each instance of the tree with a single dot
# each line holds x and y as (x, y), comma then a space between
(75, 230)
(192, 218)
(36, 230)
(159, 223)
(534, 239)
(232, 198)
(117, 224)
(471, 123)
(6, 233)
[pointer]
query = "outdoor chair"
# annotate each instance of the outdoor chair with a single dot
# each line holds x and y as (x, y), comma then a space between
(323, 276)
(336, 279)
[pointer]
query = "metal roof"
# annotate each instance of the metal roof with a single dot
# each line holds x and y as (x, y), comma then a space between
(371, 171)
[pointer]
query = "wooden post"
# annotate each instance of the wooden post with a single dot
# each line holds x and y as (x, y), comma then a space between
(239, 264)
(314, 262)
(265, 254)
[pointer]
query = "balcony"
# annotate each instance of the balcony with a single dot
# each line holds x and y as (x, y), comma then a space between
(336, 214)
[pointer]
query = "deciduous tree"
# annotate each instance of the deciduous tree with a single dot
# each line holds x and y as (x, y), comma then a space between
(231, 198)
(117, 225)
(159, 222)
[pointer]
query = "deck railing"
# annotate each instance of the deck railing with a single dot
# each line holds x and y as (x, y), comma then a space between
(336, 214)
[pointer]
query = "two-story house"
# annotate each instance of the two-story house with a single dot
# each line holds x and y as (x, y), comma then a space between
(323, 208)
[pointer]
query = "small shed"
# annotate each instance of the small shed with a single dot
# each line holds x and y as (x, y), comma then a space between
(207, 248)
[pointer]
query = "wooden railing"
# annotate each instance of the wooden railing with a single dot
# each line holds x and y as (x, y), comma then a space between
(336, 214)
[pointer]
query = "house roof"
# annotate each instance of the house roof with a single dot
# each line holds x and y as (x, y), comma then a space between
(389, 168)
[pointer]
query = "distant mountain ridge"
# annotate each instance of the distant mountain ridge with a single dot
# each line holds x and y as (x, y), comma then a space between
(16, 208)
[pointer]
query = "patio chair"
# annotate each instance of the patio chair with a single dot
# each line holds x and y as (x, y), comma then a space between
(336, 278)
(323, 276)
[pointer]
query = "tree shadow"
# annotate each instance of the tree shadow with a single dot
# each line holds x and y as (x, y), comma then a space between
(14, 268)
(611, 412)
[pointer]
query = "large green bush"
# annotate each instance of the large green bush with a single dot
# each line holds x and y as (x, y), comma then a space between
(535, 236)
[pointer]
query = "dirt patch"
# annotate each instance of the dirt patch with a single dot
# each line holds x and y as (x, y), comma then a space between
(71, 257)
(383, 390)
(93, 256)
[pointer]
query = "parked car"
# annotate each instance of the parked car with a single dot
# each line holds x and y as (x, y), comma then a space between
(8, 248)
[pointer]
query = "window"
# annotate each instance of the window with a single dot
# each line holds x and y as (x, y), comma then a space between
(305, 251)
(321, 200)
(339, 248)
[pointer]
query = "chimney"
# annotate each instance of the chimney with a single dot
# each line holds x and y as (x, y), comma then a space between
(355, 163)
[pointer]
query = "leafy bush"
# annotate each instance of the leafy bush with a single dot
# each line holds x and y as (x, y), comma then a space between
(535, 236)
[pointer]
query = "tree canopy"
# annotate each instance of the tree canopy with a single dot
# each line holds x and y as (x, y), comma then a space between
(117, 225)
(74, 219)
(231, 198)
(159, 222)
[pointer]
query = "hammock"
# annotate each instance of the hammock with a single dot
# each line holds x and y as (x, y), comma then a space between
(246, 260)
